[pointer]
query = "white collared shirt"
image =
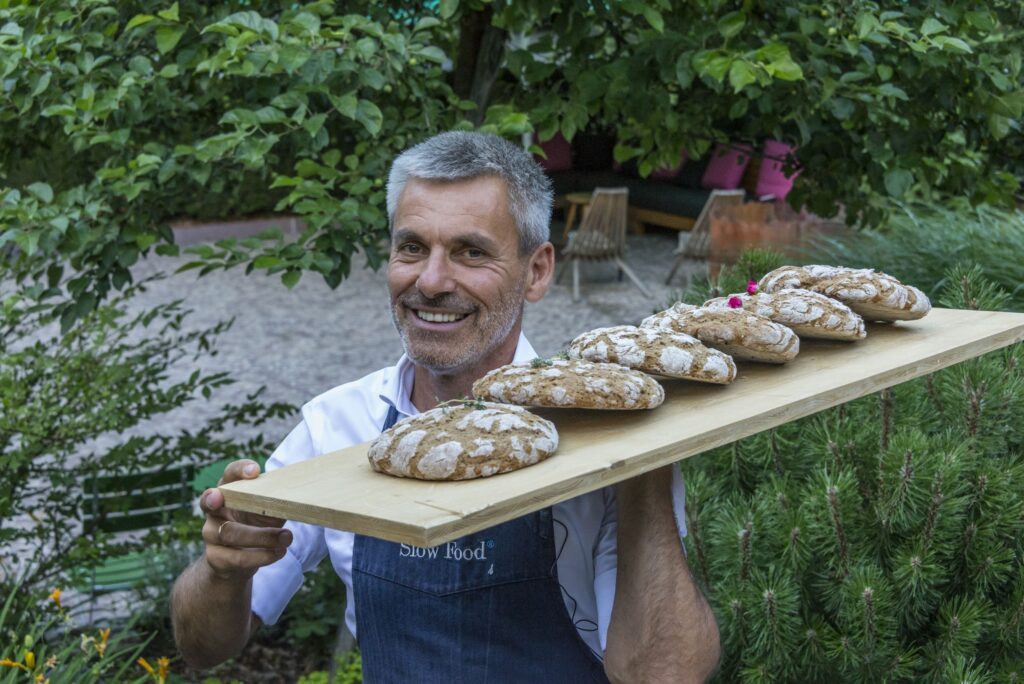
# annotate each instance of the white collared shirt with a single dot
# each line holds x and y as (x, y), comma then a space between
(353, 413)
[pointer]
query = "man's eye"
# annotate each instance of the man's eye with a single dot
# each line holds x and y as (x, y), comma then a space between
(474, 253)
(410, 248)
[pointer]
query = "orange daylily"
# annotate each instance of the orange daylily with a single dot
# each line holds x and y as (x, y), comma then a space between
(163, 665)
(101, 644)
(55, 597)
(146, 666)
(158, 675)
(7, 662)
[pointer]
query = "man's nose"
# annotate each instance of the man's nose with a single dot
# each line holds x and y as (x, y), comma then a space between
(437, 276)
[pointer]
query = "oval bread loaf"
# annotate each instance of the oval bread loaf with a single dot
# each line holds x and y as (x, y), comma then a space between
(741, 334)
(807, 313)
(570, 383)
(463, 441)
(651, 350)
(874, 295)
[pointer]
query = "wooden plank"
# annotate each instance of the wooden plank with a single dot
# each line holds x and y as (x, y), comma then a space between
(599, 448)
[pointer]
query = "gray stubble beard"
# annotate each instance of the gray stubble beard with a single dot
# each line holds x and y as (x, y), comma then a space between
(509, 313)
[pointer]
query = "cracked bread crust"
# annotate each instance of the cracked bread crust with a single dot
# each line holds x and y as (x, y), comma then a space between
(570, 383)
(874, 295)
(464, 441)
(661, 352)
(809, 314)
(739, 333)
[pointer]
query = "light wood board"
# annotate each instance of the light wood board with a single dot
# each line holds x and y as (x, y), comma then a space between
(599, 448)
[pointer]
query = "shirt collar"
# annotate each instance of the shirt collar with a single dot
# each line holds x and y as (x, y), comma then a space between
(397, 389)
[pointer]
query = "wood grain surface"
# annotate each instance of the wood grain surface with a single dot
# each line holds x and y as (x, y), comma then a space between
(599, 448)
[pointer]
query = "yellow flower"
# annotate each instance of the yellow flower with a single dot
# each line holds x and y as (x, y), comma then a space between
(7, 662)
(146, 666)
(165, 665)
(101, 644)
(51, 661)
(41, 680)
(30, 660)
(55, 597)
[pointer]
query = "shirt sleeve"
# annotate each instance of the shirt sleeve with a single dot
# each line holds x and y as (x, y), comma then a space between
(274, 585)
(606, 550)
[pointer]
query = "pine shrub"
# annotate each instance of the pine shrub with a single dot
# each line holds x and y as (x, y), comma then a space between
(878, 540)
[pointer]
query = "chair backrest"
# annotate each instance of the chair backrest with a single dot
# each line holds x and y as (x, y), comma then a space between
(603, 229)
(137, 501)
(700, 234)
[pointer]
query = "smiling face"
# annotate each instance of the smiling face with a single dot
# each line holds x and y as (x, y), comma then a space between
(456, 277)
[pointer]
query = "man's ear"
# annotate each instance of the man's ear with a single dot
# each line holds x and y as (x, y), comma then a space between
(541, 270)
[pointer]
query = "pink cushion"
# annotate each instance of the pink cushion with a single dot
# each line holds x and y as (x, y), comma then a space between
(559, 152)
(726, 167)
(668, 173)
(771, 179)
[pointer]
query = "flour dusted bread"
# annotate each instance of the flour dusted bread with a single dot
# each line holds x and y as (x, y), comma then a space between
(807, 313)
(661, 352)
(570, 383)
(741, 334)
(463, 441)
(874, 295)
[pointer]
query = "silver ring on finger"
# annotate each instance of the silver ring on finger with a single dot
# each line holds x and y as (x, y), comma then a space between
(220, 530)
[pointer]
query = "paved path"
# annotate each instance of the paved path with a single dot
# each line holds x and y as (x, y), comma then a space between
(301, 342)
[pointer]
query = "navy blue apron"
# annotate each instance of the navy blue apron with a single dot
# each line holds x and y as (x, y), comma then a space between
(484, 608)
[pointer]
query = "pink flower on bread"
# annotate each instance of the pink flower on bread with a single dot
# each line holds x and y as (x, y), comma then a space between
(751, 287)
(735, 302)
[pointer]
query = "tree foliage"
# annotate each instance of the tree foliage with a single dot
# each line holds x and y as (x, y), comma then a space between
(119, 115)
(72, 408)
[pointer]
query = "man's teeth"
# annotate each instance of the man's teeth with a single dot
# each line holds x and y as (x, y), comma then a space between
(440, 317)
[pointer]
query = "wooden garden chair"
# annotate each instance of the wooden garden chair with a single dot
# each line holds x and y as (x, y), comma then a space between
(601, 237)
(695, 243)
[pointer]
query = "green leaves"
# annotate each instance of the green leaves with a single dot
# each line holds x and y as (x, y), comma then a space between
(731, 24)
(42, 191)
(369, 114)
(167, 38)
(741, 73)
(898, 182)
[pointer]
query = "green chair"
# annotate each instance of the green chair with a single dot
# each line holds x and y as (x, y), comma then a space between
(135, 502)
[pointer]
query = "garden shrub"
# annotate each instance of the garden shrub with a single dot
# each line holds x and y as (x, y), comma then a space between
(89, 402)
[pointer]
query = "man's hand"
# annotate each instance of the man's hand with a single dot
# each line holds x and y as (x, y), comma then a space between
(210, 601)
(239, 543)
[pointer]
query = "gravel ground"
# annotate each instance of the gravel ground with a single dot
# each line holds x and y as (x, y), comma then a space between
(301, 342)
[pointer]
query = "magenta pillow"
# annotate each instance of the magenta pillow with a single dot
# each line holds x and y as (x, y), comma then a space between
(669, 173)
(726, 167)
(771, 179)
(559, 152)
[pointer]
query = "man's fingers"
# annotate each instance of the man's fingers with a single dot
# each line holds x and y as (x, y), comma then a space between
(242, 469)
(211, 501)
(235, 534)
(229, 561)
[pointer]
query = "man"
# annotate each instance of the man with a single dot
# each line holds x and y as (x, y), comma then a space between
(596, 588)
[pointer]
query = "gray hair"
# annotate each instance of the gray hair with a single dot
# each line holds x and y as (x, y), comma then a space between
(464, 155)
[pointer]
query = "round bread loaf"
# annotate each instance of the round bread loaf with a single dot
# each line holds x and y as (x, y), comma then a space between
(741, 334)
(463, 441)
(652, 350)
(874, 295)
(570, 383)
(807, 313)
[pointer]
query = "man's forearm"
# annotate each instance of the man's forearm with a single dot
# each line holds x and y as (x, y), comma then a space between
(211, 615)
(662, 629)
